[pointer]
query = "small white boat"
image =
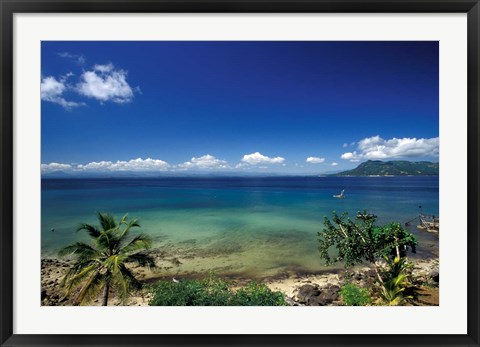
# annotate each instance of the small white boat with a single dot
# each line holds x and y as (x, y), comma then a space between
(340, 196)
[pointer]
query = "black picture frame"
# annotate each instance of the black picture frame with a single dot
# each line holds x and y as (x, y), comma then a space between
(10, 7)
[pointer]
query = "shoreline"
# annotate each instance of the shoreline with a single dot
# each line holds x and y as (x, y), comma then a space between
(300, 288)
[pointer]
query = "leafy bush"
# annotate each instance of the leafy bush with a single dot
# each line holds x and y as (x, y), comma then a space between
(257, 295)
(212, 292)
(355, 296)
(361, 240)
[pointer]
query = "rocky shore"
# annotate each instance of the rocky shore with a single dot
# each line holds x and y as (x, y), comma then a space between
(324, 290)
(299, 289)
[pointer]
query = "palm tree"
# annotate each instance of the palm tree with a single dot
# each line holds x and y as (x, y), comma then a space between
(103, 263)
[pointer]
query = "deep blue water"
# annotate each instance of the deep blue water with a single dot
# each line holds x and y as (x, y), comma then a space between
(270, 223)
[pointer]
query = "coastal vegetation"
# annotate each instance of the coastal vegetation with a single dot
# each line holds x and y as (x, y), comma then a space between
(395, 281)
(393, 168)
(213, 291)
(102, 265)
(111, 268)
(353, 295)
(360, 240)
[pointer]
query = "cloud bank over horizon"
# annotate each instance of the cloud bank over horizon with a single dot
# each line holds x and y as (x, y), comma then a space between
(372, 148)
(377, 148)
(258, 158)
(205, 162)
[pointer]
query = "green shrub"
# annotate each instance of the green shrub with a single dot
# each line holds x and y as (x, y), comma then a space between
(207, 292)
(355, 296)
(257, 295)
(212, 292)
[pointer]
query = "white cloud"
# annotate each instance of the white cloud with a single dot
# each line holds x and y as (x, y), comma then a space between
(55, 167)
(96, 166)
(345, 145)
(105, 83)
(204, 162)
(334, 164)
(138, 164)
(77, 58)
(315, 160)
(377, 148)
(104, 68)
(352, 156)
(258, 158)
(52, 90)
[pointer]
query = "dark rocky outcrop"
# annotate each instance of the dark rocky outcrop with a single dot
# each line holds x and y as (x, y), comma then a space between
(312, 295)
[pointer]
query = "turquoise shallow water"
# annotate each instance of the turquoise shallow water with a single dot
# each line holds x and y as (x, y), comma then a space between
(259, 226)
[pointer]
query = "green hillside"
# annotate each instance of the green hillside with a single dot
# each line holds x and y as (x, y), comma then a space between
(393, 168)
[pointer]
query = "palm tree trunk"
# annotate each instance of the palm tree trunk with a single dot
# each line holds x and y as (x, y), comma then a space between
(105, 293)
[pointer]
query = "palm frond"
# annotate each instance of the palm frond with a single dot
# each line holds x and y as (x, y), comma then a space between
(132, 280)
(139, 242)
(73, 278)
(80, 249)
(105, 242)
(107, 221)
(90, 229)
(123, 220)
(91, 288)
(141, 259)
(123, 233)
(113, 262)
(125, 281)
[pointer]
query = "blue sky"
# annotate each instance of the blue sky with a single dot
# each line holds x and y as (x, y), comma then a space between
(280, 107)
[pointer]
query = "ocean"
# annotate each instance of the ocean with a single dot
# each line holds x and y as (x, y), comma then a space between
(245, 226)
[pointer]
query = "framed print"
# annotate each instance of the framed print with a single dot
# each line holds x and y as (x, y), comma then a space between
(239, 173)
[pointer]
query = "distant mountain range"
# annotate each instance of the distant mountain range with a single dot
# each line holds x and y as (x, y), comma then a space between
(393, 168)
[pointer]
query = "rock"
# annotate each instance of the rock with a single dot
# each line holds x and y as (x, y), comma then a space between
(316, 301)
(291, 302)
(306, 292)
(371, 274)
(326, 297)
(312, 295)
(334, 288)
